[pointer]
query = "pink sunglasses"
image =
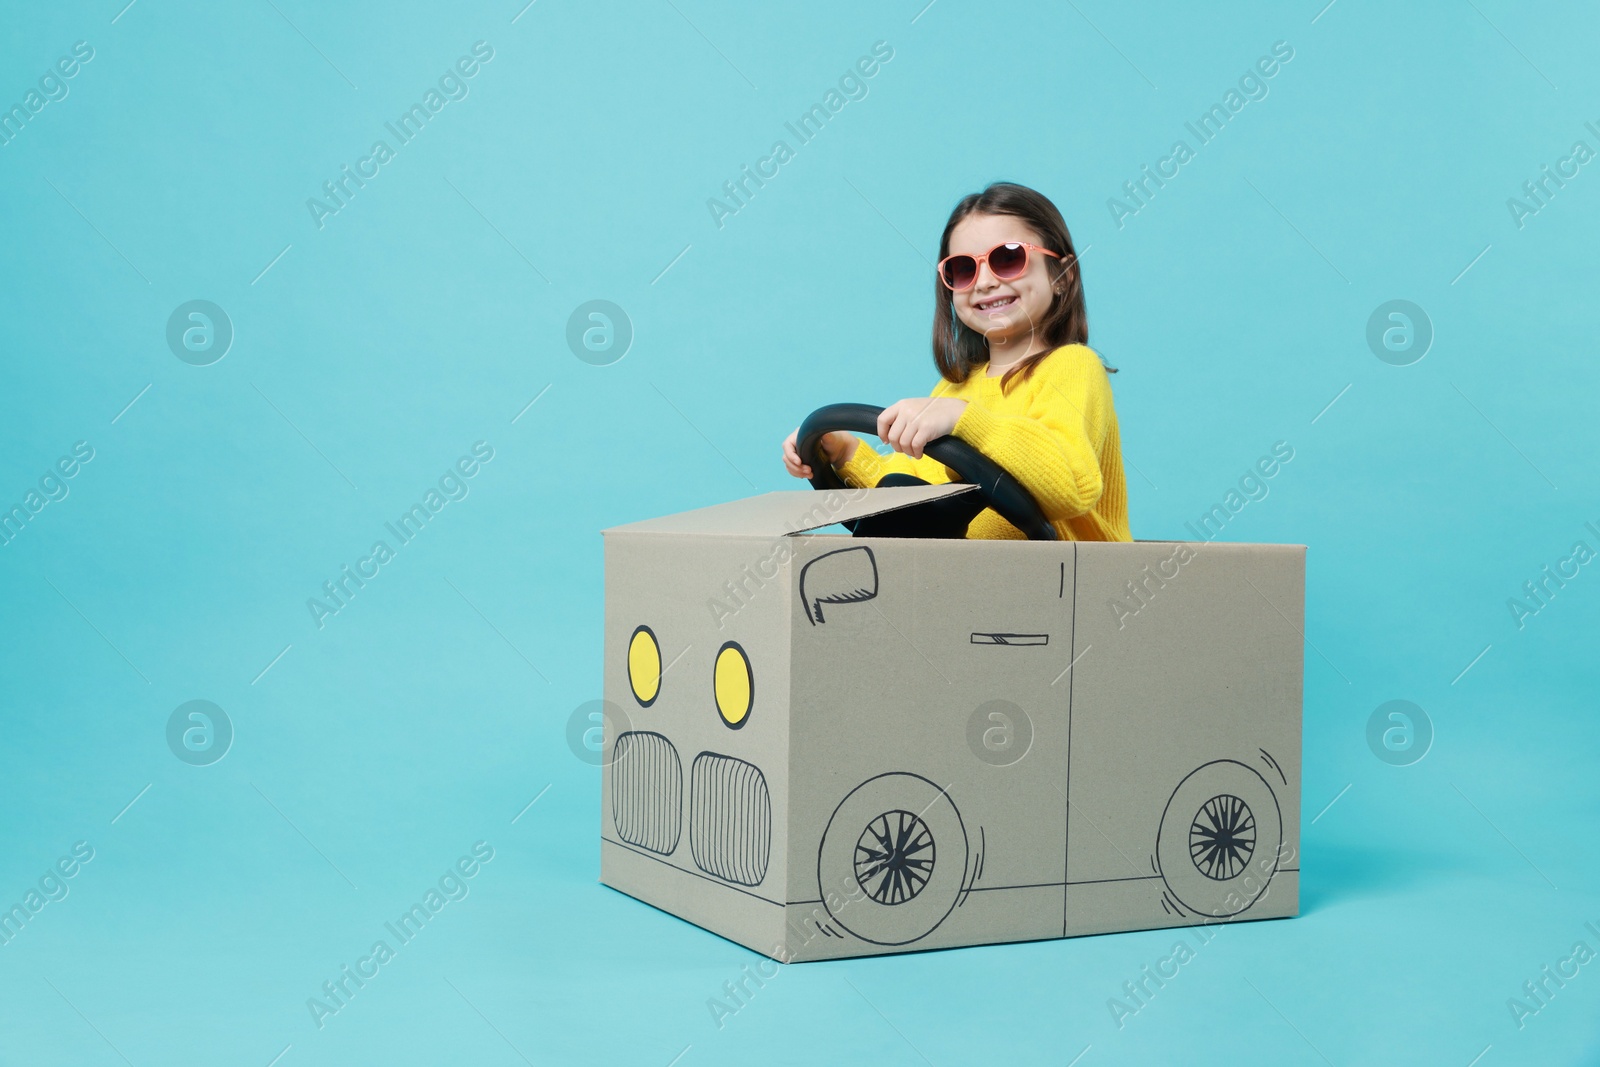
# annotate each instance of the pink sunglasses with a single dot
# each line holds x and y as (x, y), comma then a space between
(1007, 261)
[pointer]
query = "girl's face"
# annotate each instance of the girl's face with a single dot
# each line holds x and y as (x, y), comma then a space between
(1001, 311)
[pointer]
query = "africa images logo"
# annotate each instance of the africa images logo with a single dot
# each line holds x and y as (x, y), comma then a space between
(1253, 86)
(339, 591)
(852, 85)
(452, 85)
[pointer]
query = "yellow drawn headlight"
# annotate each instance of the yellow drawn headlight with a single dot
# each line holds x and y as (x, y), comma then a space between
(734, 684)
(644, 666)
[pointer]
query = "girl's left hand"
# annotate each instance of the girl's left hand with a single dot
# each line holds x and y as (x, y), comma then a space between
(907, 426)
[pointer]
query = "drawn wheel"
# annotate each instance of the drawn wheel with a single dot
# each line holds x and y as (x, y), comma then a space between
(893, 859)
(1220, 839)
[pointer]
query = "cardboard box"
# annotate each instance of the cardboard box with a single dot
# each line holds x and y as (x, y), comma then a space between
(824, 746)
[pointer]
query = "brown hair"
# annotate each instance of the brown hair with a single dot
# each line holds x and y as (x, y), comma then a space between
(958, 350)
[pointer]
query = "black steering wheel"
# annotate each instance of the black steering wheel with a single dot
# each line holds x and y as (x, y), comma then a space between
(999, 489)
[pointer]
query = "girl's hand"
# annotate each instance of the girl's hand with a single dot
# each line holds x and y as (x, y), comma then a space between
(837, 446)
(909, 425)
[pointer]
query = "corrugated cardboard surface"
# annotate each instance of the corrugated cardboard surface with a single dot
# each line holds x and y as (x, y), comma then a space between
(884, 691)
(1158, 685)
(791, 511)
(697, 594)
(1197, 665)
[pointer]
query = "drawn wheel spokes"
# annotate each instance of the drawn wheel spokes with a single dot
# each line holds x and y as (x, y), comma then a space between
(894, 857)
(1222, 837)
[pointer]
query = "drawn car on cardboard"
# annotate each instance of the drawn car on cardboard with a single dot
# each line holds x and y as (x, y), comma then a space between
(823, 746)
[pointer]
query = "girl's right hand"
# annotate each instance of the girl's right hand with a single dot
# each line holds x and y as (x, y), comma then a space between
(837, 445)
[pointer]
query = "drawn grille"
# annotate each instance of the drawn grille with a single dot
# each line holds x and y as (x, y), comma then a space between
(647, 791)
(730, 819)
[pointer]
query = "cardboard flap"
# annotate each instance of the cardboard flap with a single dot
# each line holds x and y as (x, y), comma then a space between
(792, 511)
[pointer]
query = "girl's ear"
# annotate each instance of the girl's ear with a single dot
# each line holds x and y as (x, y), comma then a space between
(1066, 273)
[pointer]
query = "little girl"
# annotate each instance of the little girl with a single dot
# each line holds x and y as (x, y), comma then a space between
(1019, 384)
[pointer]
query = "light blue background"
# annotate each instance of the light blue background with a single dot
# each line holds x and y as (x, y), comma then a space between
(428, 713)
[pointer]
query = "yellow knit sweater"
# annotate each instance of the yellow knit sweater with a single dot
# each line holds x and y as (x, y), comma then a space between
(1055, 431)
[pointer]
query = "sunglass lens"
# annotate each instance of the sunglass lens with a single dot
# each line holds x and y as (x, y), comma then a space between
(959, 271)
(1008, 261)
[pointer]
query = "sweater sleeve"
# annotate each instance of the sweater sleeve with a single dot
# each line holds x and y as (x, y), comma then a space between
(866, 468)
(1054, 448)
